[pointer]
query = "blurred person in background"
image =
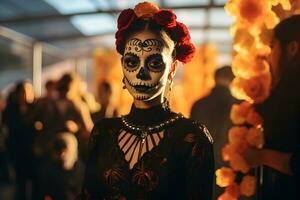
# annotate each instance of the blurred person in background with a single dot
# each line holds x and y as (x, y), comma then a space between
(104, 94)
(6, 175)
(214, 111)
(60, 177)
(21, 135)
(45, 115)
(281, 114)
(73, 114)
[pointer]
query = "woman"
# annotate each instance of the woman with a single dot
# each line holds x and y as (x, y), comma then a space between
(281, 114)
(151, 153)
(21, 135)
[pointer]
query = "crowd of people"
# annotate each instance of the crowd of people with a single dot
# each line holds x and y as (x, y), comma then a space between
(44, 140)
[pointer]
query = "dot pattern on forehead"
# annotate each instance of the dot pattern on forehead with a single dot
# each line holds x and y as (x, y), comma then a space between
(148, 45)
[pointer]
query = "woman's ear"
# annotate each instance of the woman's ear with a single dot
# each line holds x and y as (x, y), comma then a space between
(173, 69)
(293, 49)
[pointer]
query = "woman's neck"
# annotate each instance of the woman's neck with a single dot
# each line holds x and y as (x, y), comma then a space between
(148, 104)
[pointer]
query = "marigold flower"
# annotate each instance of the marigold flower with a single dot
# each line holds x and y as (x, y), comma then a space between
(271, 20)
(225, 176)
(240, 146)
(237, 90)
(255, 137)
(247, 66)
(247, 186)
(239, 112)
(237, 134)
(226, 196)
(286, 4)
(233, 190)
(238, 163)
(243, 41)
(251, 10)
(146, 9)
(258, 87)
(253, 13)
(227, 151)
(253, 118)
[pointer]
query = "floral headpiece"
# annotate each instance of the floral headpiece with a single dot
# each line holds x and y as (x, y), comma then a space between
(163, 17)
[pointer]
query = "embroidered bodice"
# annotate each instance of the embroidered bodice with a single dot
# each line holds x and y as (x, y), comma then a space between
(149, 154)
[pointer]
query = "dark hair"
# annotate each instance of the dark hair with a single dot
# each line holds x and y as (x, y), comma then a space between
(140, 25)
(59, 144)
(288, 30)
(49, 84)
(105, 85)
(224, 72)
(64, 84)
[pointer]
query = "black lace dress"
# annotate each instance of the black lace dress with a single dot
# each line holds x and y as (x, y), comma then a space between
(149, 154)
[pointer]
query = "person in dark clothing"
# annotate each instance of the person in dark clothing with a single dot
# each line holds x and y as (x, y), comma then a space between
(104, 96)
(45, 116)
(281, 114)
(21, 135)
(151, 153)
(60, 178)
(213, 111)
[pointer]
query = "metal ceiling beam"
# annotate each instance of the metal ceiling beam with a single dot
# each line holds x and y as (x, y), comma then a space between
(112, 11)
(80, 36)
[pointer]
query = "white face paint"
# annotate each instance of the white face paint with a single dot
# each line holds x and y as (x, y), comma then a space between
(146, 65)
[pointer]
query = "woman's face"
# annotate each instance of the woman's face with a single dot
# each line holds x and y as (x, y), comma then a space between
(274, 60)
(146, 64)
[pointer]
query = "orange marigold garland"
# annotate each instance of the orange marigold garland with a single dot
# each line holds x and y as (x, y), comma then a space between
(254, 21)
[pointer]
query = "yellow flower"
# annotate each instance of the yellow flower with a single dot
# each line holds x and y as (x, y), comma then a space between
(238, 163)
(254, 90)
(271, 20)
(226, 196)
(286, 4)
(257, 88)
(239, 112)
(227, 152)
(247, 186)
(247, 66)
(225, 176)
(255, 137)
(252, 10)
(243, 41)
(254, 118)
(146, 9)
(231, 8)
(236, 134)
(237, 90)
(233, 190)
(254, 13)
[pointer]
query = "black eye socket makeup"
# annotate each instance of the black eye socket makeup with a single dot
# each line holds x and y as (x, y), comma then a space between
(132, 61)
(155, 63)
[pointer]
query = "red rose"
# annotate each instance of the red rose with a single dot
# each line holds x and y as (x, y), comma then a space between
(119, 40)
(126, 18)
(185, 52)
(180, 33)
(166, 18)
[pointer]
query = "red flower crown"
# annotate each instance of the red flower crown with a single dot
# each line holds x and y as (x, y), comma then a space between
(166, 18)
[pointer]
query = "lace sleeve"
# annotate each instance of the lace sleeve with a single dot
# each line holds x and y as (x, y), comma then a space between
(200, 166)
(89, 182)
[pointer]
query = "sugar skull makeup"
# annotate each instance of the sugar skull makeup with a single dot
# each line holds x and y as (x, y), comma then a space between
(146, 64)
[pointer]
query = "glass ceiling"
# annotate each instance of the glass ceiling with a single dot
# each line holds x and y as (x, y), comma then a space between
(78, 21)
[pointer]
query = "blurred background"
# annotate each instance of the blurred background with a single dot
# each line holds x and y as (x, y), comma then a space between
(60, 73)
(42, 39)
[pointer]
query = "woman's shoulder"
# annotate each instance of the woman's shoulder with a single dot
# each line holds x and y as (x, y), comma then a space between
(105, 126)
(192, 129)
